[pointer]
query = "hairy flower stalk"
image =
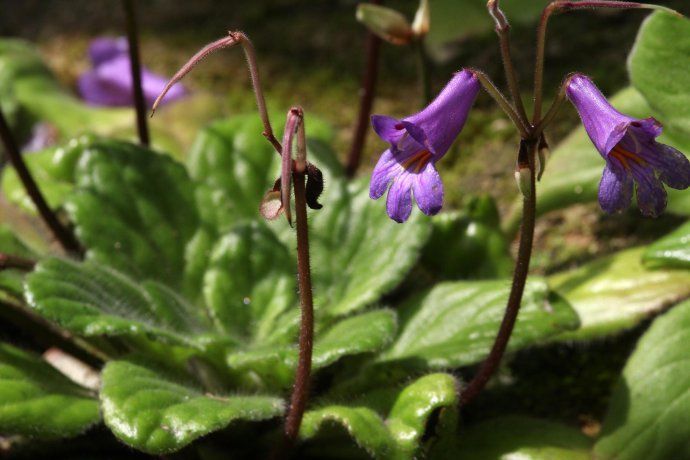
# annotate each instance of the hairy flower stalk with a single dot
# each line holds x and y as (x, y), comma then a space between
(232, 39)
(62, 233)
(560, 6)
(366, 101)
(298, 173)
(135, 68)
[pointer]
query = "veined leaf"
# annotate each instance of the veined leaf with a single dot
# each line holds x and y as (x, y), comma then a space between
(616, 292)
(671, 251)
(37, 401)
(157, 412)
(455, 324)
(649, 413)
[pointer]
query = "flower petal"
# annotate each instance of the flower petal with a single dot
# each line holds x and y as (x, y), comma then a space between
(386, 169)
(106, 48)
(428, 190)
(674, 167)
(95, 91)
(651, 196)
(418, 135)
(387, 128)
(399, 201)
(615, 189)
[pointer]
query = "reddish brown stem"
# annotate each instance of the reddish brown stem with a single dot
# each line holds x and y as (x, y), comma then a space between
(62, 234)
(135, 66)
(490, 365)
(300, 392)
(10, 261)
(366, 101)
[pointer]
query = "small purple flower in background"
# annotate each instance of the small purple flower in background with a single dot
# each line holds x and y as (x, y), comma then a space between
(109, 83)
(632, 154)
(417, 143)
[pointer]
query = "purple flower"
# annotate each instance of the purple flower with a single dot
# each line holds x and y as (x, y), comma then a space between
(417, 143)
(109, 83)
(632, 154)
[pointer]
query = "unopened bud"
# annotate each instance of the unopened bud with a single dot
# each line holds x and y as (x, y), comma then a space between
(386, 23)
(422, 19)
(542, 152)
(523, 174)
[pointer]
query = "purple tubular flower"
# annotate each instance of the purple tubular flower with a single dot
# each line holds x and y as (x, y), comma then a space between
(109, 83)
(632, 154)
(417, 142)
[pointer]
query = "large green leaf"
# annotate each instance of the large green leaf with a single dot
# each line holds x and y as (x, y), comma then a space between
(364, 333)
(11, 280)
(398, 434)
(158, 412)
(524, 438)
(90, 299)
(663, 44)
(617, 292)
(357, 252)
(249, 285)
(455, 324)
(38, 401)
(133, 210)
(649, 416)
(672, 251)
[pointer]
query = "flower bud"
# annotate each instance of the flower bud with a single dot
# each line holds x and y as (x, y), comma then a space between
(272, 205)
(542, 151)
(422, 20)
(314, 186)
(523, 174)
(386, 23)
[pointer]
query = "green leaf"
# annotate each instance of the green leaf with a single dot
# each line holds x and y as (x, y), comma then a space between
(664, 43)
(399, 436)
(455, 324)
(134, 210)
(617, 292)
(672, 251)
(464, 245)
(158, 412)
(648, 416)
(364, 333)
(235, 166)
(11, 281)
(249, 284)
(524, 438)
(416, 404)
(357, 252)
(38, 401)
(89, 299)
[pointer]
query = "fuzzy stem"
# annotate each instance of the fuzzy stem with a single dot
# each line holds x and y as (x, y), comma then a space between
(560, 6)
(366, 101)
(12, 262)
(503, 32)
(501, 100)
(135, 68)
(492, 362)
(63, 234)
(232, 39)
(553, 110)
(300, 393)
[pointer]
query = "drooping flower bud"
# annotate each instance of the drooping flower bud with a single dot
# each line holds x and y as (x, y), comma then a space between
(422, 20)
(314, 186)
(523, 174)
(386, 23)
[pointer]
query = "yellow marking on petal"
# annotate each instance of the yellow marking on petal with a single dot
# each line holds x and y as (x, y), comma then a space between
(419, 160)
(624, 155)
